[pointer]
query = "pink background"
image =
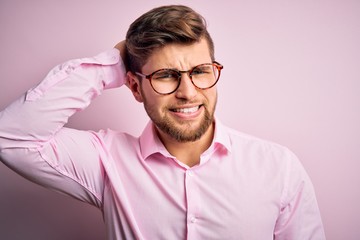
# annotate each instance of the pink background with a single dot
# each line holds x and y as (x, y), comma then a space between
(292, 75)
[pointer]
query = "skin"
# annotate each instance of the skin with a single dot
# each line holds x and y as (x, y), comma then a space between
(185, 135)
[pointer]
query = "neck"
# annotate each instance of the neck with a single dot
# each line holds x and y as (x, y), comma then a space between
(188, 152)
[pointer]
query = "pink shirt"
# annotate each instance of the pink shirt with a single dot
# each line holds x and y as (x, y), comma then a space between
(243, 188)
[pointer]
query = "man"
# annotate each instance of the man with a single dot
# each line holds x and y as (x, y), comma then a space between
(187, 176)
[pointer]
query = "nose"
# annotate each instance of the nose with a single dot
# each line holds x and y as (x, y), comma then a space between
(186, 89)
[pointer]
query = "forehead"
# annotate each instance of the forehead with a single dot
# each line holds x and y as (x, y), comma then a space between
(178, 56)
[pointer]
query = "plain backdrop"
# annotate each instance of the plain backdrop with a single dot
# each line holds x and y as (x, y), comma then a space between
(291, 75)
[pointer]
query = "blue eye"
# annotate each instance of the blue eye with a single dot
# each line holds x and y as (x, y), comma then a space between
(201, 70)
(165, 75)
(197, 72)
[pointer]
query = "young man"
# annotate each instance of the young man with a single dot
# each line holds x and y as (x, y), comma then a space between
(187, 176)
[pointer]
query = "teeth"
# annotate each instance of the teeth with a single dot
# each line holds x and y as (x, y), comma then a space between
(187, 110)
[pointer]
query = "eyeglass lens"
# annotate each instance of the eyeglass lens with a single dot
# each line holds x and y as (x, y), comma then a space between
(167, 80)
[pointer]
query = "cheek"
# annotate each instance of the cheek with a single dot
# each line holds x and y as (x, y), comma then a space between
(211, 96)
(153, 102)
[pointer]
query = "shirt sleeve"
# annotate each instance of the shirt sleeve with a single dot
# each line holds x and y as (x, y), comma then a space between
(34, 142)
(299, 216)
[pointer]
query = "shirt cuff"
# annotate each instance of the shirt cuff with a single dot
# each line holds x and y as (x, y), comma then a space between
(112, 65)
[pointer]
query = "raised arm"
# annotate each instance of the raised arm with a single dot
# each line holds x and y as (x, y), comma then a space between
(33, 141)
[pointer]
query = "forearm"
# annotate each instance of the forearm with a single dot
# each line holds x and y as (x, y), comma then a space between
(33, 119)
(33, 141)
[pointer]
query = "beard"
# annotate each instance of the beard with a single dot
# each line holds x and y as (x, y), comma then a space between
(181, 131)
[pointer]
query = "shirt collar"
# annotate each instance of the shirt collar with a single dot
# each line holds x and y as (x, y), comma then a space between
(221, 136)
(151, 144)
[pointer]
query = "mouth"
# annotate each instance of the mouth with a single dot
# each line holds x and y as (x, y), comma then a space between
(187, 110)
(187, 113)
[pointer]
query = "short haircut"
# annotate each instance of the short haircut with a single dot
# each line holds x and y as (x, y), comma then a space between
(161, 26)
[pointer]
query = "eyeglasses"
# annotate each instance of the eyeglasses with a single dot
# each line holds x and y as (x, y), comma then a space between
(166, 81)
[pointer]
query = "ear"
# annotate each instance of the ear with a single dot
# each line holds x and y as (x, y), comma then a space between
(133, 83)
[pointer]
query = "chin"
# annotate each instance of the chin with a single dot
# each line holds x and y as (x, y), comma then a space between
(190, 133)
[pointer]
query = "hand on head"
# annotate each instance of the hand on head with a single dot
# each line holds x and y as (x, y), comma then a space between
(121, 46)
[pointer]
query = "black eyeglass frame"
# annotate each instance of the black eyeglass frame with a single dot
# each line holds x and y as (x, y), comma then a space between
(214, 63)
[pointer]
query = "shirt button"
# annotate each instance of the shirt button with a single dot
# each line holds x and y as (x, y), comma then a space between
(193, 219)
(190, 173)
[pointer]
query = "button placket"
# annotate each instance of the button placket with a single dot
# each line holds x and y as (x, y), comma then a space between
(193, 201)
